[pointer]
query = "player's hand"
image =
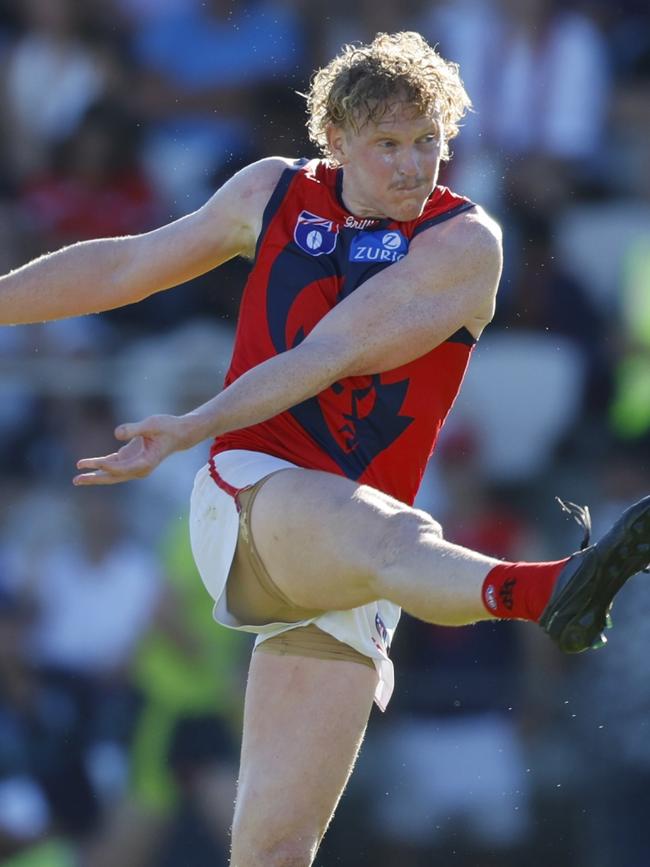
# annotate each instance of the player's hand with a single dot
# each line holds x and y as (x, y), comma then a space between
(149, 442)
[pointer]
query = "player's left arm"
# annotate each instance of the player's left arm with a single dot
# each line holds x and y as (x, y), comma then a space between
(448, 280)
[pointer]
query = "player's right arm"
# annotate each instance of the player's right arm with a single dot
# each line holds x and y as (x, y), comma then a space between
(102, 274)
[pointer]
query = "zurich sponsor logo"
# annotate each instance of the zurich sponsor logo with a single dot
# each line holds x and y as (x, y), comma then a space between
(315, 235)
(384, 246)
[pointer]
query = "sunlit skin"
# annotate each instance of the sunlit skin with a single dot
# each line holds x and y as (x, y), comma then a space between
(389, 168)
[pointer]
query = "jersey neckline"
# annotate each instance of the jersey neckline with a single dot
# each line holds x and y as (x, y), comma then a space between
(367, 222)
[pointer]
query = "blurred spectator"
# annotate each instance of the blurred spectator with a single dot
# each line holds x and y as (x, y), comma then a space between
(25, 813)
(200, 65)
(138, 12)
(333, 23)
(541, 296)
(630, 414)
(190, 674)
(94, 595)
(538, 74)
(540, 378)
(95, 186)
(540, 106)
(44, 787)
(52, 76)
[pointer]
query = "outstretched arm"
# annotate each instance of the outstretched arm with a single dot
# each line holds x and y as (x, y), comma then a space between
(448, 280)
(92, 276)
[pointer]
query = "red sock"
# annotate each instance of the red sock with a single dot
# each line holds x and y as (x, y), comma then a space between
(520, 591)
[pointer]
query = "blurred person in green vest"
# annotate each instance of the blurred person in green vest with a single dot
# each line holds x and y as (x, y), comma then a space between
(630, 410)
(186, 743)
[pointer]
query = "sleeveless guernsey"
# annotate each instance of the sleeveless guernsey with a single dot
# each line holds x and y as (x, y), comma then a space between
(380, 429)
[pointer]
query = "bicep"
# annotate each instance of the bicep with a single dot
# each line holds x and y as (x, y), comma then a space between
(177, 252)
(448, 280)
(226, 226)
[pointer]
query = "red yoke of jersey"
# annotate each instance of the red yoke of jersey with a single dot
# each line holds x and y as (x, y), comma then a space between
(381, 429)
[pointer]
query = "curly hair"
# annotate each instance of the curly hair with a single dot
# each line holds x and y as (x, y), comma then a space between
(364, 81)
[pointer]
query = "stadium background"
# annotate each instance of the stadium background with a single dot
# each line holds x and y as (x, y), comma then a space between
(119, 701)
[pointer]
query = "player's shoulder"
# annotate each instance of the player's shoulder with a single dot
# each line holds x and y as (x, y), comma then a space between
(269, 167)
(244, 197)
(263, 175)
(478, 227)
(470, 232)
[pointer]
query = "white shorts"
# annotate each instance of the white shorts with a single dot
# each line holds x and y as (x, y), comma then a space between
(214, 529)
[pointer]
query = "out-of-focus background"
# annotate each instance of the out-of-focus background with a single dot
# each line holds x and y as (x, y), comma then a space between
(120, 701)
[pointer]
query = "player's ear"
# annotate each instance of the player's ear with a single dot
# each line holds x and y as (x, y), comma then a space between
(337, 141)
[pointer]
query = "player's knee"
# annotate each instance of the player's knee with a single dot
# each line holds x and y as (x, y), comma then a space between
(427, 523)
(271, 843)
(289, 852)
(404, 531)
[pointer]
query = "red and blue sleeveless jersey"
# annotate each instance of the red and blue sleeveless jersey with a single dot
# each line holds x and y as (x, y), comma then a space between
(311, 254)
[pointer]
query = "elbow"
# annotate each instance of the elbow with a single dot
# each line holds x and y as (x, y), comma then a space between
(124, 274)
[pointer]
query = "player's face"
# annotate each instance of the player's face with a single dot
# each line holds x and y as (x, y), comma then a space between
(389, 168)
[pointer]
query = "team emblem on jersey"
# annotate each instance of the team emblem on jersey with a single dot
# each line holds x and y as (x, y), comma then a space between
(357, 418)
(389, 245)
(315, 235)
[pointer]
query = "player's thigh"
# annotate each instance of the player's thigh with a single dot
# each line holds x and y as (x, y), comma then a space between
(323, 538)
(304, 722)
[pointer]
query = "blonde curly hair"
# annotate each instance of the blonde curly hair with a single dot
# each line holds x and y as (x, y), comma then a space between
(364, 81)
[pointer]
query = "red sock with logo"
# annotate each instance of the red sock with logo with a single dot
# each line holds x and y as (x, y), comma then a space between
(520, 591)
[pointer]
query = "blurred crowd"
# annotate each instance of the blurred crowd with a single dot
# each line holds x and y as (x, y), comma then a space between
(120, 700)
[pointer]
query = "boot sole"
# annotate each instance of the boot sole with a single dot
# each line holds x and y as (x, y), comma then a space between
(575, 620)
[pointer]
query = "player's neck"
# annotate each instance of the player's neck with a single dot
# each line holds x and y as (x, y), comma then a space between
(356, 202)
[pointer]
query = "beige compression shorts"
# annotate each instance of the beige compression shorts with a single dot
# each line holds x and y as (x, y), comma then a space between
(245, 596)
(253, 597)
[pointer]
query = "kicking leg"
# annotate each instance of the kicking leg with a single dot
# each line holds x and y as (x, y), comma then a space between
(330, 544)
(304, 722)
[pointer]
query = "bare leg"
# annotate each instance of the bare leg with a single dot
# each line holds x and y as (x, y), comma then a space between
(332, 544)
(303, 725)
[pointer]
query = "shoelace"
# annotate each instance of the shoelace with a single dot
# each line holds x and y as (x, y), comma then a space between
(582, 516)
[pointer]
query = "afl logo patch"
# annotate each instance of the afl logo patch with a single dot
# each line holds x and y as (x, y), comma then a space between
(315, 235)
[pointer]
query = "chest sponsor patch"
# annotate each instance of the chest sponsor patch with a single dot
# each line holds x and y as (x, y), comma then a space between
(389, 245)
(315, 235)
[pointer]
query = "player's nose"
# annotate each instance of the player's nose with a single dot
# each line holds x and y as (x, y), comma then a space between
(409, 164)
